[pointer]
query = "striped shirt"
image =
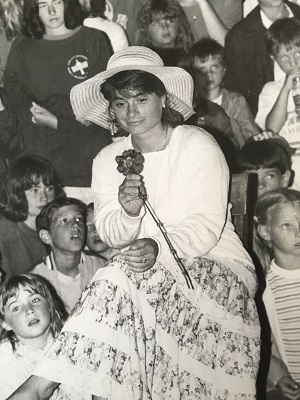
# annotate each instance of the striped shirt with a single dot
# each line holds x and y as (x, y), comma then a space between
(285, 288)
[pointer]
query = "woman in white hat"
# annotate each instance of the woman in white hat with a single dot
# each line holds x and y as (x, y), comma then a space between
(143, 329)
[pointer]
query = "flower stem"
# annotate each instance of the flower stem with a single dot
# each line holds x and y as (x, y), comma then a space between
(171, 247)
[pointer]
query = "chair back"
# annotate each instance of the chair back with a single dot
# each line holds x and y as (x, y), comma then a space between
(242, 195)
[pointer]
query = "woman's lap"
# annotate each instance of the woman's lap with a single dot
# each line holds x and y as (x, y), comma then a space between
(144, 336)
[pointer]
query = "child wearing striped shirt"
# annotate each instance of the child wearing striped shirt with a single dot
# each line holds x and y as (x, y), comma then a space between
(277, 244)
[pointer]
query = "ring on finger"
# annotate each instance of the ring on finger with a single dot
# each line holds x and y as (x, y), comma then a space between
(144, 260)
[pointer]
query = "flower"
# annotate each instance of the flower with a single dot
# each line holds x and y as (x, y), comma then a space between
(130, 162)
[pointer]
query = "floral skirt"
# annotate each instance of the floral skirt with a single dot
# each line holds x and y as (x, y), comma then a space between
(147, 336)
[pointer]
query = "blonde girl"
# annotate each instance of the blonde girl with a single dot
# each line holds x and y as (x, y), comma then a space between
(277, 244)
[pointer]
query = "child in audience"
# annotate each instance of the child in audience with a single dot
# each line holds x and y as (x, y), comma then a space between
(28, 184)
(93, 241)
(276, 108)
(163, 25)
(98, 20)
(276, 235)
(208, 56)
(31, 315)
(61, 227)
(269, 159)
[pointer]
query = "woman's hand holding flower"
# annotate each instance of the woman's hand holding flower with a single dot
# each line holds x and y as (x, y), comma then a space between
(130, 194)
(142, 254)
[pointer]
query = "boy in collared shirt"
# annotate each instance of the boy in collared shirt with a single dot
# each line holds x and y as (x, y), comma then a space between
(61, 225)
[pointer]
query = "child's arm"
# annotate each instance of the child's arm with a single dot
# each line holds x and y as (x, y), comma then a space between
(278, 114)
(215, 27)
(279, 375)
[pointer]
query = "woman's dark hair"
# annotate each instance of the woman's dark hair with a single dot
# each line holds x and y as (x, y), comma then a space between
(36, 284)
(125, 82)
(33, 27)
(164, 9)
(284, 32)
(22, 175)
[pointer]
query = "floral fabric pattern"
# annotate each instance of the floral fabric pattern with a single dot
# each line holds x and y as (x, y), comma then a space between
(140, 337)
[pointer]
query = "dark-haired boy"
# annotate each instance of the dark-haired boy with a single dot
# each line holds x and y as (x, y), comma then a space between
(208, 56)
(61, 225)
(269, 157)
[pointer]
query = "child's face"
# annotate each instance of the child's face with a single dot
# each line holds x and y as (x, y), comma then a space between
(214, 69)
(67, 231)
(93, 240)
(270, 179)
(37, 197)
(51, 13)
(27, 314)
(289, 59)
(163, 31)
(283, 230)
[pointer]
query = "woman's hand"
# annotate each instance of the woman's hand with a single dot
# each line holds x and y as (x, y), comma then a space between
(142, 254)
(129, 194)
(41, 116)
(287, 386)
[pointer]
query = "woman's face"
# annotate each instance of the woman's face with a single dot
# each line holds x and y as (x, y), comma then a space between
(139, 113)
(51, 13)
(163, 31)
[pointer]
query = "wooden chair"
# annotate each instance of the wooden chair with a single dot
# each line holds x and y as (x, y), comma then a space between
(242, 195)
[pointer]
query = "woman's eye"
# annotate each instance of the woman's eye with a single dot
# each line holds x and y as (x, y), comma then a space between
(120, 104)
(34, 190)
(50, 188)
(142, 99)
(64, 221)
(286, 226)
(16, 309)
(79, 219)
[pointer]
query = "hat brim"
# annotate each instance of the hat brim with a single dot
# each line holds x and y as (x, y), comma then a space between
(89, 104)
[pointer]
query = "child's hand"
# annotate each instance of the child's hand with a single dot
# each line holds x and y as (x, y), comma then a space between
(142, 254)
(41, 116)
(288, 387)
(288, 84)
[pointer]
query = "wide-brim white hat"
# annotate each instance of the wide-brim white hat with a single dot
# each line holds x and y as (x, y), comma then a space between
(89, 104)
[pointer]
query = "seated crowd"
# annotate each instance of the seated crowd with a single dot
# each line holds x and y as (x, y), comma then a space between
(59, 223)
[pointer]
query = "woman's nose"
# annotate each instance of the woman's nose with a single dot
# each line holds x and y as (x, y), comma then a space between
(132, 110)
